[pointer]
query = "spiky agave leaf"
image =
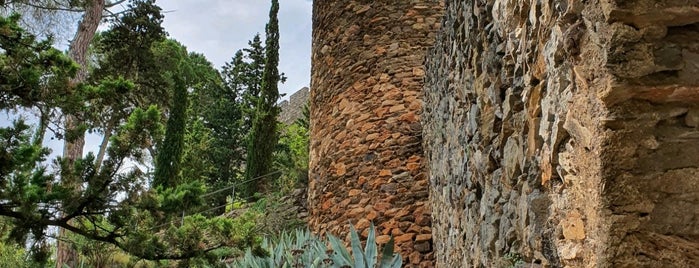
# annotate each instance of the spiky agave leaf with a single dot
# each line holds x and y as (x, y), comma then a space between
(370, 251)
(340, 255)
(387, 254)
(358, 254)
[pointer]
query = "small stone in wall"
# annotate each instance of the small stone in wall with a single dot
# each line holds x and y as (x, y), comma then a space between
(405, 237)
(423, 237)
(423, 247)
(382, 239)
(573, 226)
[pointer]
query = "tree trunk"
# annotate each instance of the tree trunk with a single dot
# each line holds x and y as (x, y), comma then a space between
(73, 149)
(103, 146)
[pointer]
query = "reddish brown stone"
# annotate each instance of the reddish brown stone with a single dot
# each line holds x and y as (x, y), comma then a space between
(327, 204)
(412, 166)
(404, 237)
(340, 169)
(423, 237)
(410, 117)
(415, 257)
(361, 180)
(382, 206)
(371, 215)
(354, 192)
(362, 224)
(355, 212)
(382, 239)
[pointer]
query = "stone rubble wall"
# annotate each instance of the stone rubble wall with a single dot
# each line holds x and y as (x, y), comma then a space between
(293, 108)
(564, 133)
(366, 161)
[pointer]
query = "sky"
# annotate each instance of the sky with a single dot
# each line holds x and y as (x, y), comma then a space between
(218, 28)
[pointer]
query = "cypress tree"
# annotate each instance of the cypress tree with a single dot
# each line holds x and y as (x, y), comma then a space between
(263, 136)
(167, 164)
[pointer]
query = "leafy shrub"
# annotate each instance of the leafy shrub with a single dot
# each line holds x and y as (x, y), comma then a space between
(291, 156)
(12, 256)
(303, 249)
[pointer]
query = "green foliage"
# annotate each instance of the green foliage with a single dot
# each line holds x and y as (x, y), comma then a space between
(111, 207)
(93, 253)
(183, 197)
(303, 249)
(167, 165)
(231, 112)
(513, 259)
(12, 256)
(263, 135)
(279, 214)
(291, 156)
(368, 257)
(142, 128)
(30, 70)
(196, 162)
(126, 50)
(138, 80)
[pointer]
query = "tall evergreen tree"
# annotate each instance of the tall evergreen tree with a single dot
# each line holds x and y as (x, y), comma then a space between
(253, 73)
(167, 165)
(264, 136)
(200, 139)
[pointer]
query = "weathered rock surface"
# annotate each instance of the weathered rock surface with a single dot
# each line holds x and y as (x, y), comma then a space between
(564, 133)
(366, 161)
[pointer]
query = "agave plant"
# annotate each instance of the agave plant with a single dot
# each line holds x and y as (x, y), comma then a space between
(368, 258)
(303, 249)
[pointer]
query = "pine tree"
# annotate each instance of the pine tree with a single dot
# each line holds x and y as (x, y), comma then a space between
(111, 205)
(124, 52)
(264, 136)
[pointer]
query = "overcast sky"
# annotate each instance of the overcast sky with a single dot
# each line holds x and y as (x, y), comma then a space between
(218, 28)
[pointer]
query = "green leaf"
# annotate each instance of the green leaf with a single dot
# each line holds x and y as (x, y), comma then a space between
(387, 254)
(340, 254)
(370, 250)
(397, 261)
(357, 252)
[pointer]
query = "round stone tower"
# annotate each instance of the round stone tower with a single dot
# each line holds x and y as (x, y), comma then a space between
(366, 160)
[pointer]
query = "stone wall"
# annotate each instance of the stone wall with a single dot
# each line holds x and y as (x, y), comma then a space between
(366, 161)
(293, 108)
(563, 133)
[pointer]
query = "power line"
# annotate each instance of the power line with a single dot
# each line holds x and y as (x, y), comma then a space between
(239, 183)
(218, 191)
(198, 212)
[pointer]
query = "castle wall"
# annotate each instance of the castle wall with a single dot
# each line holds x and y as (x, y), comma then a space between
(564, 134)
(366, 161)
(292, 109)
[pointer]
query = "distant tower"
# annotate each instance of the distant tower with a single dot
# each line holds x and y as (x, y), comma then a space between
(366, 160)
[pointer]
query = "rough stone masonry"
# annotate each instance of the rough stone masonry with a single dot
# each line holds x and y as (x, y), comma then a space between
(366, 160)
(564, 133)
